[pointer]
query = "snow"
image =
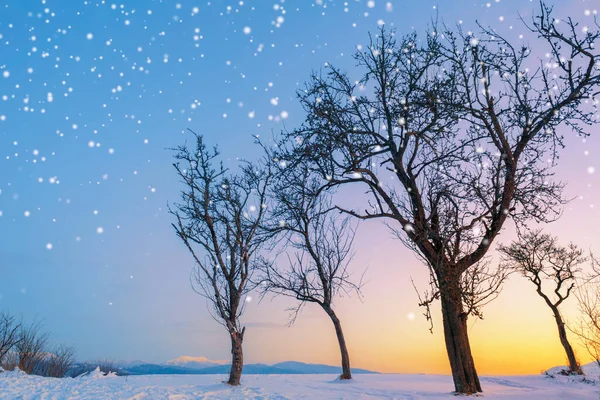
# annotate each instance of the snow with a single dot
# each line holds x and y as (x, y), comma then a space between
(591, 369)
(97, 374)
(384, 386)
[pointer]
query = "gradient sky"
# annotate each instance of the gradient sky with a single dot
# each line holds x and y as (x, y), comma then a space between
(92, 93)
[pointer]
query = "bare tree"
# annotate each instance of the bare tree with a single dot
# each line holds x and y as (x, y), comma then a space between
(59, 361)
(317, 267)
(32, 347)
(452, 142)
(218, 219)
(540, 259)
(9, 334)
(588, 300)
(11, 361)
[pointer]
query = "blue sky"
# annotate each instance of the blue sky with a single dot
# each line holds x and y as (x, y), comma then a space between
(92, 95)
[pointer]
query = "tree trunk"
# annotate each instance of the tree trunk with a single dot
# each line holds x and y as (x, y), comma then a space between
(237, 358)
(574, 367)
(346, 373)
(456, 335)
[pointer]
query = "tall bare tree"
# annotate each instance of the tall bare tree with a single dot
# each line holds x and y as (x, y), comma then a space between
(453, 141)
(217, 219)
(316, 270)
(554, 270)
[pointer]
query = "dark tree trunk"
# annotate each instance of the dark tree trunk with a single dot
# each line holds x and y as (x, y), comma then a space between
(237, 358)
(574, 367)
(456, 335)
(346, 373)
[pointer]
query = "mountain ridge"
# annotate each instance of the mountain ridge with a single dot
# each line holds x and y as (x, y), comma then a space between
(194, 367)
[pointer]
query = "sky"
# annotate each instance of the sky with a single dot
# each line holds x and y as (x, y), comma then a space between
(93, 94)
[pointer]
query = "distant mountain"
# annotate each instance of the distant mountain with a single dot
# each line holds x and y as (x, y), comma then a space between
(130, 363)
(194, 362)
(155, 369)
(303, 368)
(252, 369)
(283, 368)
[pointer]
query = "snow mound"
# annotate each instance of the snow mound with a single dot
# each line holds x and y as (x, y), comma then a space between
(590, 369)
(16, 373)
(97, 374)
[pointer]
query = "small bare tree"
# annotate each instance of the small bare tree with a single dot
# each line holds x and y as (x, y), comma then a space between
(540, 259)
(11, 361)
(317, 267)
(588, 300)
(450, 137)
(59, 362)
(218, 219)
(9, 334)
(31, 348)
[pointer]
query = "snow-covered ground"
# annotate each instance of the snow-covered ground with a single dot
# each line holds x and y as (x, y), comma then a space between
(19, 386)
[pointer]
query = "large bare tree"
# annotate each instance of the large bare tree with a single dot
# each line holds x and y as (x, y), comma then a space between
(450, 135)
(318, 245)
(554, 270)
(217, 219)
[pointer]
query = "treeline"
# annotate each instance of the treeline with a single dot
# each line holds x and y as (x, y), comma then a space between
(29, 348)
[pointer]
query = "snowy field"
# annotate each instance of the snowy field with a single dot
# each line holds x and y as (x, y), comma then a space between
(179, 387)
